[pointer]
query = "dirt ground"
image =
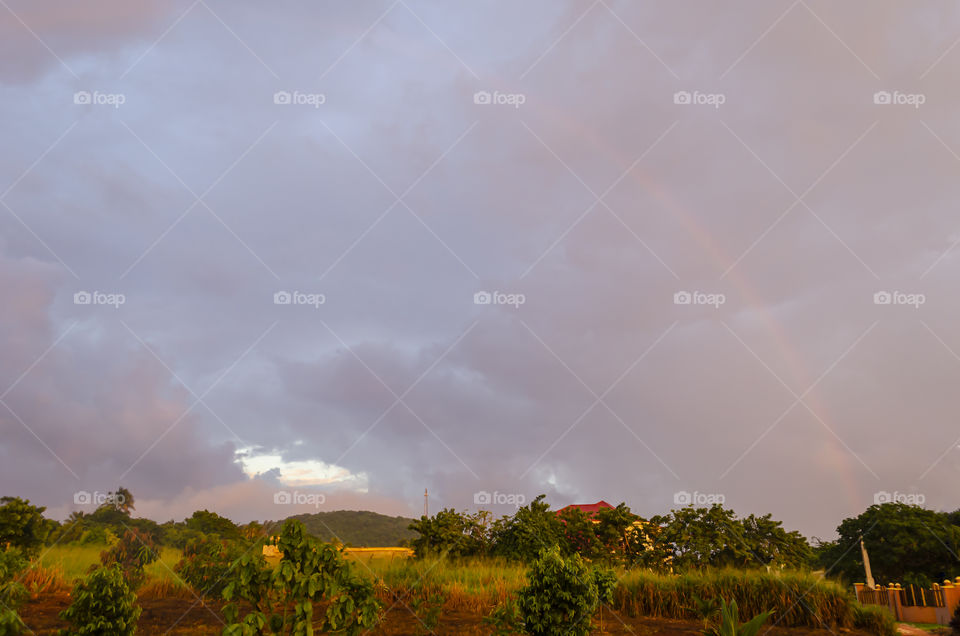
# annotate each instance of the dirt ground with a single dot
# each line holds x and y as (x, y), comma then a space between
(181, 617)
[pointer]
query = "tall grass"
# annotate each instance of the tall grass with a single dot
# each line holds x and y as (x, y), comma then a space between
(796, 598)
(470, 585)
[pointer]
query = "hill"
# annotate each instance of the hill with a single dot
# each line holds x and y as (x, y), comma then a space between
(358, 527)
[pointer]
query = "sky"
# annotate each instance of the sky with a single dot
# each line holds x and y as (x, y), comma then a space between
(271, 258)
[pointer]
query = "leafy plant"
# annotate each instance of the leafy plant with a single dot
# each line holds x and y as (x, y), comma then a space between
(730, 624)
(706, 609)
(207, 563)
(879, 620)
(309, 571)
(505, 618)
(428, 612)
(22, 526)
(561, 595)
(955, 620)
(606, 582)
(134, 551)
(103, 605)
(12, 592)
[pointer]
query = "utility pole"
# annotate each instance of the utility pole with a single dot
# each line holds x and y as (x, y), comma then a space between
(866, 564)
(426, 506)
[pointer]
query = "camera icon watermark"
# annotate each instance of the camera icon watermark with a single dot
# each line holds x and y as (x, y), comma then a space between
(897, 98)
(695, 498)
(297, 498)
(910, 499)
(86, 498)
(283, 297)
(297, 98)
(699, 298)
(99, 298)
(486, 498)
(899, 298)
(499, 298)
(96, 98)
(496, 98)
(696, 98)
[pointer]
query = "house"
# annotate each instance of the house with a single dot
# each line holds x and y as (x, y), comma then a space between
(591, 510)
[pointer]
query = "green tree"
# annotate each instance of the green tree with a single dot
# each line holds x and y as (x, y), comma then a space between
(579, 534)
(616, 532)
(132, 553)
(769, 544)
(22, 525)
(903, 542)
(451, 533)
(206, 522)
(524, 535)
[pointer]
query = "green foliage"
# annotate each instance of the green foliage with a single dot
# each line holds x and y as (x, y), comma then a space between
(879, 620)
(103, 605)
(309, 572)
(206, 523)
(134, 551)
(428, 611)
(903, 542)
(358, 528)
(450, 533)
(955, 620)
(561, 595)
(699, 538)
(22, 526)
(12, 593)
(207, 563)
(579, 534)
(531, 530)
(505, 618)
(730, 624)
(706, 609)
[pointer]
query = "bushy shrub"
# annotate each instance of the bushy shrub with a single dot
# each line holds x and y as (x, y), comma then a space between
(877, 619)
(103, 605)
(955, 621)
(207, 563)
(561, 595)
(309, 572)
(12, 592)
(134, 551)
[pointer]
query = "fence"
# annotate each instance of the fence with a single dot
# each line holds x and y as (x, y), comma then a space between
(913, 603)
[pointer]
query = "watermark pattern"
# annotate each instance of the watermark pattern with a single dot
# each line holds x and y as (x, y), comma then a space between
(99, 298)
(297, 498)
(897, 98)
(496, 98)
(486, 498)
(695, 498)
(697, 98)
(499, 298)
(899, 298)
(86, 498)
(283, 297)
(910, 499)
(96, 98)
(298, 98)
(699, 298)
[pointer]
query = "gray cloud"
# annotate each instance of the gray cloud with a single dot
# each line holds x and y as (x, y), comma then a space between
(492, 197)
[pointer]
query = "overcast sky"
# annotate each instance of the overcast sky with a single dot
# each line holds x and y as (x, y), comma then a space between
(718, 243)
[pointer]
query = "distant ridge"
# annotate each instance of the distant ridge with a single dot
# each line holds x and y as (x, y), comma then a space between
(358, 527)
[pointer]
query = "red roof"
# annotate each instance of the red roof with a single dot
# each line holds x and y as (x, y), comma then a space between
(590, 509)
